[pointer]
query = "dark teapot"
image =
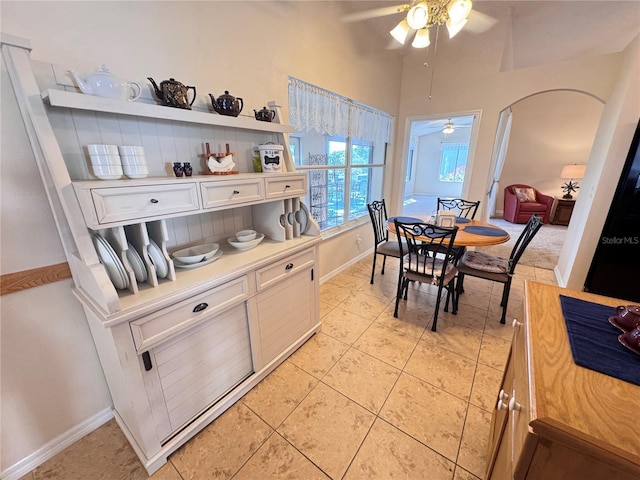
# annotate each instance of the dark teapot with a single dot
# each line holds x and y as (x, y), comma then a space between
(173, 93)
(265, 115)
(227, 104)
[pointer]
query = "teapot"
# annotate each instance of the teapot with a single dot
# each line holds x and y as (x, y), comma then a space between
(106, 84)
(227, 104)
(265, 115)
(173, 93)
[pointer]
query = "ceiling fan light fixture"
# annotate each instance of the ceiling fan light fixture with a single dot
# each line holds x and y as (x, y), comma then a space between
(421, 40)
(401, 31)
(448, 128)
(454, 28)
(418, 16)
(458, 10)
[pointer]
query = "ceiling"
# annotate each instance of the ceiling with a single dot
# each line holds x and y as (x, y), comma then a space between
(541, 31)
(426, 127)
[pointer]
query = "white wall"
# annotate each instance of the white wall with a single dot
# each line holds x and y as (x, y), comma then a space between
(549, 130)
(51, 379)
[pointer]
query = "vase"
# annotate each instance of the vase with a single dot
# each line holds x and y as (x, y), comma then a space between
(188, 169)
(177, 169)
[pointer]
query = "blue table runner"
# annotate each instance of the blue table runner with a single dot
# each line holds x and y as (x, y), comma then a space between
(486, 231)
(594, 341)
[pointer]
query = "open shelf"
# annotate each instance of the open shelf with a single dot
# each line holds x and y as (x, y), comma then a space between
(59, 98)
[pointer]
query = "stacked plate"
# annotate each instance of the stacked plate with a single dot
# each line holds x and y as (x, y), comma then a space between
(157, 258)
(137, 264)
(115, 269)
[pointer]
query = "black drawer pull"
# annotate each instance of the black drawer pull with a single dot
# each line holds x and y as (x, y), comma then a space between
(200, 307)
(287, 186)
(236, 192)
(146, 360)
(154, 200)
(289, 266)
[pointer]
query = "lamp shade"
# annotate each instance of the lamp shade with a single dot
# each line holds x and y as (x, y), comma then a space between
(421, 40)
(401, 31)
(458, 10)
(573, 171)
(418, 16)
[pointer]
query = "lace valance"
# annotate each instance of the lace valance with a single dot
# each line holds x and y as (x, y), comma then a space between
(314, 108)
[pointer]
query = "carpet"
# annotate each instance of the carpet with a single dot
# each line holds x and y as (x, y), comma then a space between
(542, 252)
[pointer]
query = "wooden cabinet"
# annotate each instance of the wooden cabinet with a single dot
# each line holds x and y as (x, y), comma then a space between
(553, 419)
(563, 209)
(180, 347)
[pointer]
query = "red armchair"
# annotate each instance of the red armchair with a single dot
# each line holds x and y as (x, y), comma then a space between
(519, 208)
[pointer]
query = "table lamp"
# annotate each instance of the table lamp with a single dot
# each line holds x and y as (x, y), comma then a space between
(571, 172)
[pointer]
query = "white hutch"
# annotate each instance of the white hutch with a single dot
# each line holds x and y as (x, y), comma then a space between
(176, 351)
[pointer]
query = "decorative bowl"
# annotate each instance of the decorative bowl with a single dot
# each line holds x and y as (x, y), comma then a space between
(196, 254)
(246, 235)
(245, 245)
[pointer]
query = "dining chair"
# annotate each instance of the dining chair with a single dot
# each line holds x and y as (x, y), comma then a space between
(427, 258)
(498, 269)
(463, 208)
(378, 213)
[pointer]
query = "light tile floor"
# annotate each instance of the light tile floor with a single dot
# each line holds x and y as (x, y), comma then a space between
(370, 396)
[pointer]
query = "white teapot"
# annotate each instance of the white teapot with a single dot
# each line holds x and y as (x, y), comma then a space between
(106, 84)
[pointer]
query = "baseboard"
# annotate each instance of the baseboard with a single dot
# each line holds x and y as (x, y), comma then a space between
(560, 280)
(55, 446)
(343, 267)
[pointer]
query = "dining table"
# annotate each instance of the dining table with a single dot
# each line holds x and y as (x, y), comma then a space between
(471, 232)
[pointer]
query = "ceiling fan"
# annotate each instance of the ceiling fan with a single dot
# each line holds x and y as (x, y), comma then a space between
(420, 15)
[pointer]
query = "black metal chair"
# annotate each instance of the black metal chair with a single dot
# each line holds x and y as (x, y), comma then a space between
(378, 213)
(498, 269)
(463, 208)
(427, 258)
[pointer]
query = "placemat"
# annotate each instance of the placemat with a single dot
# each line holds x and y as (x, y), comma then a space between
(406, 219)
(486, 231)
(594, 341)
(462, 220)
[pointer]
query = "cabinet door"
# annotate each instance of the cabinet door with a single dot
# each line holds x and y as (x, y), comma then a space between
(285, 312)
(190, 372)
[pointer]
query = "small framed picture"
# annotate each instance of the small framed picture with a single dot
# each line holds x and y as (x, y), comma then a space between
(446, 221)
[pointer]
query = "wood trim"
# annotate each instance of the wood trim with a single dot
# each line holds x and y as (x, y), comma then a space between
(17, 281)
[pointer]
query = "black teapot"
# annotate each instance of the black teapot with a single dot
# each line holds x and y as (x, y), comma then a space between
(173, 93)
(227, 104)
(265, 115)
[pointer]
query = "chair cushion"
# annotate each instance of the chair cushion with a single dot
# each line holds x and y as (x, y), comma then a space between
(525, 194)
(437, 270)
(389, 248)
(485, 262)
(533, 207)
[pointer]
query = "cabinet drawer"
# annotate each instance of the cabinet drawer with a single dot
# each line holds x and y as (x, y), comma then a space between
(155, 328)
(225, 193)
(283, 186)
(285, 268)
(119, 204)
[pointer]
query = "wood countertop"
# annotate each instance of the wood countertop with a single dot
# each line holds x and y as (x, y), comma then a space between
(601, 412)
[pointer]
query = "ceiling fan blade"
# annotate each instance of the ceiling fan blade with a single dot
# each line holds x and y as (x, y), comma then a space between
(374, 13)
(479, 22)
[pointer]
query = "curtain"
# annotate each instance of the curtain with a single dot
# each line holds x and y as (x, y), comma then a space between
(314, 108)
(500, 147)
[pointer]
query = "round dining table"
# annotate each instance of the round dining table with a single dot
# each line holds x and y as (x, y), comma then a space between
(471, 233)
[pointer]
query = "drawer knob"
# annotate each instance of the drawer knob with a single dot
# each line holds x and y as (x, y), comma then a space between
(503, 395)
(513, 405)
(154, 200)
(502, 405)
(236, 192)
(289, 266)
(200, 307)
(515, 323)
(287, 186)
(146, 361)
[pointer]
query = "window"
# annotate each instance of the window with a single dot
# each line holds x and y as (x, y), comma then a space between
(342, 145)
(453, 162)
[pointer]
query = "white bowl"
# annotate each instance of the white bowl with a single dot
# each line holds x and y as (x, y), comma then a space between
(97, 159)
(197, 253)
(245, 245)
(246, 235)
(107, 172)
(133, 159)
(131, 150)
(99, 149)
(136, 171)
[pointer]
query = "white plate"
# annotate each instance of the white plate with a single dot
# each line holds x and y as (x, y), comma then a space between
(187, 266)
(110, 261)
(158, 260)
(302, 216)
(233, 241)
(117, 262)
(137, 264)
